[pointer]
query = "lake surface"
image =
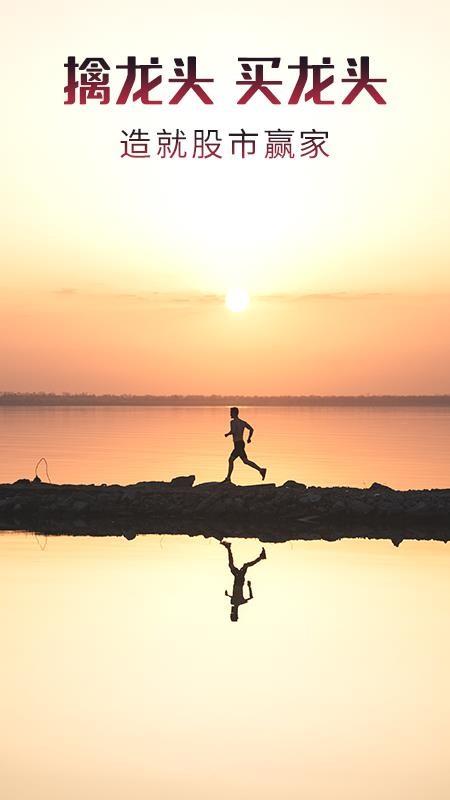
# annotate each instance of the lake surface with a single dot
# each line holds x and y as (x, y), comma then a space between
(403, 448)
(122, 675)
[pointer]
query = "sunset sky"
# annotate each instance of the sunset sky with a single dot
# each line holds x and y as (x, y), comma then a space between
(115, 270)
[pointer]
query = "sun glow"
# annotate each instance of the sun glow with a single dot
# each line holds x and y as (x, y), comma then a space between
(237, 299)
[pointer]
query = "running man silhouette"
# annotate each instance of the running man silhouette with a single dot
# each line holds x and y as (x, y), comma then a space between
(237, 595)
(237, 428)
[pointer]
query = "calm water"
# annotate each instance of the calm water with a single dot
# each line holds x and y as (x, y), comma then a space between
(122, 676)
(404, 448)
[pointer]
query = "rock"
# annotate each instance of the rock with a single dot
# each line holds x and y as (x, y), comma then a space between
(215, 486)
(36, 479)
(311, 498)
(294, 485)
(152, 486)
(209, 501)
(239, 503)
(183, 482)
(227, 504)
(358, 507)
(80, 505)
(154, 505)
(256, 488)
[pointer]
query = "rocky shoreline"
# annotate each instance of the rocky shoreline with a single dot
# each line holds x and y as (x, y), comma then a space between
(267, 511)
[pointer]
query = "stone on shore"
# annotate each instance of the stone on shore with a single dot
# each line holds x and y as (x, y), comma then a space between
(183, 482)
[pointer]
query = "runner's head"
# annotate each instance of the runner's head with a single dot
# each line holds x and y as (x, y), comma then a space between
(234, 412)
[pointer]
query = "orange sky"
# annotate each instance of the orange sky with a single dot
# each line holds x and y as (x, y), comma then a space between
(114, 270)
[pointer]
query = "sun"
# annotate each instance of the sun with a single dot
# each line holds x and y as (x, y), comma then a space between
(237, 299)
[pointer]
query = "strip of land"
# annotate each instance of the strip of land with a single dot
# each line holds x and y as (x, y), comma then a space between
(266, 511)
(85, 399)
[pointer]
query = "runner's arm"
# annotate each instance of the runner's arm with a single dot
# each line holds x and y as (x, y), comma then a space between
(250, 432)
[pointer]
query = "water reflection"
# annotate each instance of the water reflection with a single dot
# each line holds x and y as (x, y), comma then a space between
(121, 676)
(237, 595)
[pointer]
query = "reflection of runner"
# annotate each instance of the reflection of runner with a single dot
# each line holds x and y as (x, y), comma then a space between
(237, 596)
(237, 428)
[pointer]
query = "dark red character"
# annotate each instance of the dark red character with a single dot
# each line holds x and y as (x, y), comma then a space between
(279, 144)
(146, 85)
(189, 82)
(206, 146)
(246, 142)
(313, 143)
(171, 145)
(319, 84)
(257, 83)
(93, 80)
(362, 82)
(136, 144)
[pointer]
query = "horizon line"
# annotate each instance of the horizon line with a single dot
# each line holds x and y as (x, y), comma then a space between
(8, 398)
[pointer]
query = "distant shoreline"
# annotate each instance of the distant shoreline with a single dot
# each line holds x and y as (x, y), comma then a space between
(389, 401)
